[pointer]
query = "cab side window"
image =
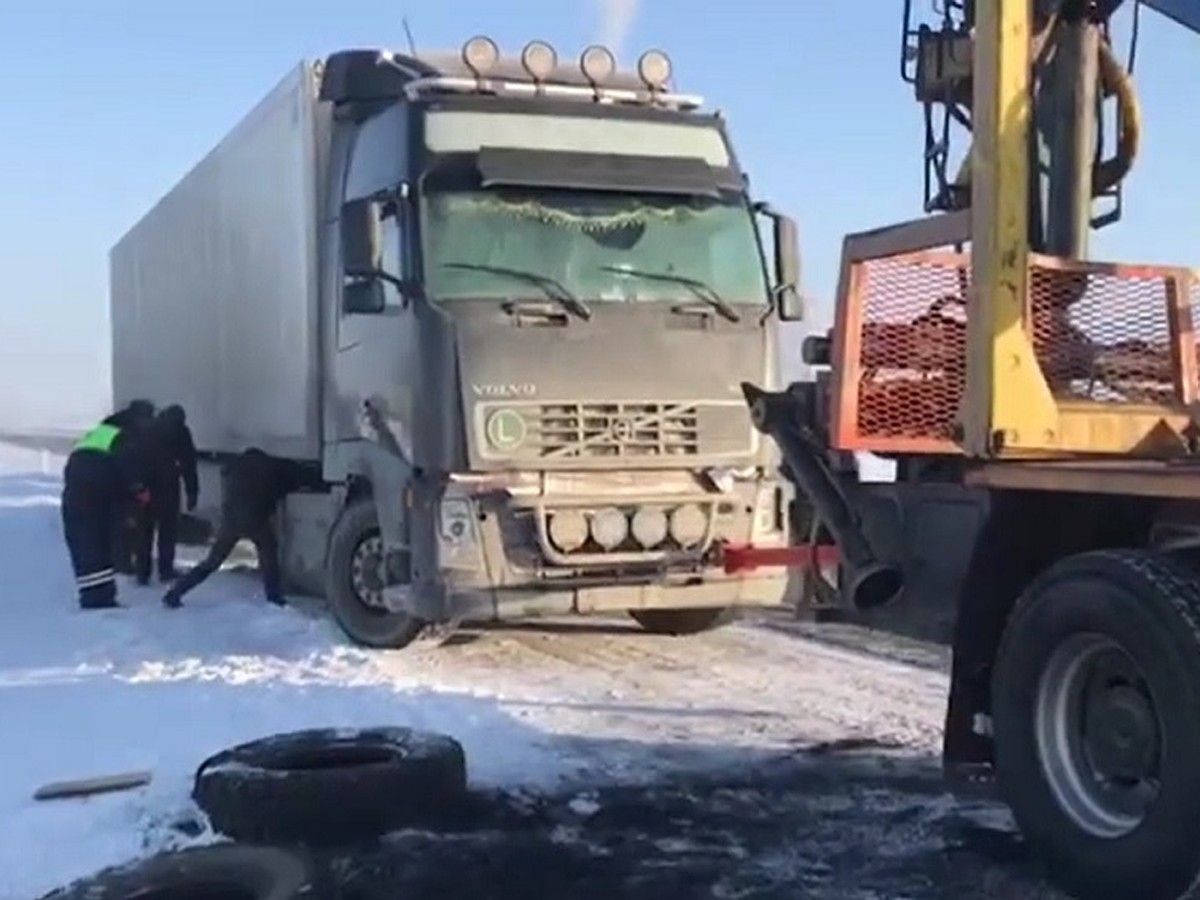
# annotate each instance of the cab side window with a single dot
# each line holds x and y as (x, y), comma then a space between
(380, 151)
(393, 262)
(377, 164)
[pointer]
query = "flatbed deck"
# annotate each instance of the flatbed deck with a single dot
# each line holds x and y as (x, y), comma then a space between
(1174, 479)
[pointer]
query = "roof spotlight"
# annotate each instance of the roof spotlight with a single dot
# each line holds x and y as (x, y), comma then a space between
(654, 68)
(539, 60)
(597, 63)
(480, 54)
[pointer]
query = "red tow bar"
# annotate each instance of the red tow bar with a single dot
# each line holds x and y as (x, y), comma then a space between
(746, 558)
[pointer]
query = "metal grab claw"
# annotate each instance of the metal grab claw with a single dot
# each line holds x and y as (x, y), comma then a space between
(870, 583)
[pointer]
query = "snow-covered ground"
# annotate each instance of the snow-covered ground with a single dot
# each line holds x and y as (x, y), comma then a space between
(84, 694)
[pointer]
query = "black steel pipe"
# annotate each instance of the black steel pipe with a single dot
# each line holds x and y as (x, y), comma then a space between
(1069, 93)
(871, 583)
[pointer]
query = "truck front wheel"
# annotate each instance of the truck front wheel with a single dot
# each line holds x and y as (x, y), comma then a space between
(681, 622)
(354, 582)
(1096, 721)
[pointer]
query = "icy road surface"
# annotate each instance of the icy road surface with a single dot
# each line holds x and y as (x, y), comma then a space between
(722, 736)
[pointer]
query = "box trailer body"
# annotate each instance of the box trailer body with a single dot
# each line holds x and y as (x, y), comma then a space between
(215, 292)
(505, 323)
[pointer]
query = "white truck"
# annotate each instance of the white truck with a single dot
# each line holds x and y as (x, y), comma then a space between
(502, 307)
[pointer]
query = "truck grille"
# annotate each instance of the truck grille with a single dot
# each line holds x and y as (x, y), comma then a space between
(565, 431)
(618, 430)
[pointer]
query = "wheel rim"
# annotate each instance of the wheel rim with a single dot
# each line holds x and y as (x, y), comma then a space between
(1099, 735)
(365, 573)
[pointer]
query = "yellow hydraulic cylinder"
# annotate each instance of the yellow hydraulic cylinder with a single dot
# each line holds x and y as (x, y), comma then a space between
(1007, 403)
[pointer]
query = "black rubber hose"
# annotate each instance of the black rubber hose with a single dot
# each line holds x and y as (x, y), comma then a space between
(871, 583)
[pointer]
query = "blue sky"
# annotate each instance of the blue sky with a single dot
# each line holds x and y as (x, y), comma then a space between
(108, 102)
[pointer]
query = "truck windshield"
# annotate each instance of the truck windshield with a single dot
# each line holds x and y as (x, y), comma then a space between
(599, 245)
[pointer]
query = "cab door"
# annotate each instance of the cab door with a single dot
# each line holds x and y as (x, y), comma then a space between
(375, 359)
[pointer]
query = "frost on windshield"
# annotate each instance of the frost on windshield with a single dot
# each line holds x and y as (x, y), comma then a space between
(587, 240)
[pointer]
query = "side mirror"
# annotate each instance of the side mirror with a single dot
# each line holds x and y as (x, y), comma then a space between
(363, 297)
(787, 252)
(789, 302)
(362, 237)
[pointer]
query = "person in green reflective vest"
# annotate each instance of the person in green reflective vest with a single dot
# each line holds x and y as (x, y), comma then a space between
(102, 473)
(133, 420)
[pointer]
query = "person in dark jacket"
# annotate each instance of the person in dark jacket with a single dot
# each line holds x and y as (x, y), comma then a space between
(133, 420)
(102, 474)
(254, 484)
(170, 455)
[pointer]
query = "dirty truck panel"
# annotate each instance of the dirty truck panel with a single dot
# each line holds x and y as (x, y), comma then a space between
(503, 316)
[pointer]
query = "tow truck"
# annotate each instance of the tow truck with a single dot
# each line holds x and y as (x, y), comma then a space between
(984, 351)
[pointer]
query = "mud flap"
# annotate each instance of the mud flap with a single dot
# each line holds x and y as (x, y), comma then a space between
(1014, 542)
(929, 532)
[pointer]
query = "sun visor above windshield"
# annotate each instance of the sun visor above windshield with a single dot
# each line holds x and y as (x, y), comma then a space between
(602, 172)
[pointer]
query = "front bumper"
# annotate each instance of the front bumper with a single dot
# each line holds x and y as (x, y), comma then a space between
(496, 558)
(516, 603)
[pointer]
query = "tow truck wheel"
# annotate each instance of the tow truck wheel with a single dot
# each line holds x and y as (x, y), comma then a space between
(1096, 721)
(354, 586)
(681, 622)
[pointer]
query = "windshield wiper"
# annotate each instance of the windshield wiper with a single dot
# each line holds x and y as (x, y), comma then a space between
(553, 289)
(702, 290)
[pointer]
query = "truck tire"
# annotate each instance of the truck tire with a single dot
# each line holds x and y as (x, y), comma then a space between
(351, 588)
(217, 872)
(1096, 722)
(681, 622)
(331, 786)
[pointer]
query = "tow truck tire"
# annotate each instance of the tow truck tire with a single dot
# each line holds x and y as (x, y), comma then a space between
(1097, 681)
(682, 622)
(219, 872)
(362, 623)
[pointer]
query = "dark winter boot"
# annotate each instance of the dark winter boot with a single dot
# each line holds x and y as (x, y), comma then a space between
(172, 600)
(277, 599)
(124, 560)
(104, 597)
(92, 603)
(97, 601)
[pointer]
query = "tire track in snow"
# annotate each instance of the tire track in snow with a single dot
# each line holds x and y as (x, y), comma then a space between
(686, 700)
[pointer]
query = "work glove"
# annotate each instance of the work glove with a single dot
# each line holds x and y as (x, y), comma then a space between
(191, 502)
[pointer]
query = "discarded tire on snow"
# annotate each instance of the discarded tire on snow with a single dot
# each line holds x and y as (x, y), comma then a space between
(331, 786)
(219, 872)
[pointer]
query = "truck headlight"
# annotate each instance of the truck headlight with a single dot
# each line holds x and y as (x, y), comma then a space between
(568, 529)
(688, 525)
(649, 526)
(610, 527)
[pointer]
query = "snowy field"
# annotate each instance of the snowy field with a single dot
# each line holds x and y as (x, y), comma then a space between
(545, 707)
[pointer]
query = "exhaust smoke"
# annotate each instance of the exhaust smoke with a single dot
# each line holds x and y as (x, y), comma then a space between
(616, 22)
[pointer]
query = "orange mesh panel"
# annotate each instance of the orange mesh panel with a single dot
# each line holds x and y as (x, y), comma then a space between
(1102, 335)
(912, 348)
